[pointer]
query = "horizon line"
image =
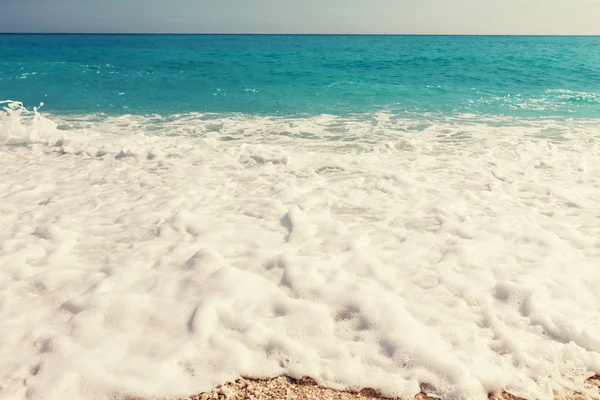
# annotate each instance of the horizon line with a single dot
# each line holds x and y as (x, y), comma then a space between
(301, 34)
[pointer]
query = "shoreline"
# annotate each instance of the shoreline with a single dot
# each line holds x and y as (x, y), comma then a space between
(306, 388)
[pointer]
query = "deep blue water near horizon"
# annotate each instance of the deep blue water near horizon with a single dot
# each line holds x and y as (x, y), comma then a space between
(304, 75)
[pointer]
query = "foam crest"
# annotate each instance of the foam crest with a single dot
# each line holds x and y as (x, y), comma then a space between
(178, 252)
(19, 126)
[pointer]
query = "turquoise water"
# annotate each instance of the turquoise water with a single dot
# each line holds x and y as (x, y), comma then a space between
(525, 77)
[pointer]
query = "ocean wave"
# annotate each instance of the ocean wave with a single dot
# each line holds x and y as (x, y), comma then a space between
(178, 252)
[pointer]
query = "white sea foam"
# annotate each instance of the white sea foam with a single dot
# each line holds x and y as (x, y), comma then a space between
(161, 256)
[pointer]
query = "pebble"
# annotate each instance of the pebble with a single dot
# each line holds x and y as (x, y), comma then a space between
(226, 392)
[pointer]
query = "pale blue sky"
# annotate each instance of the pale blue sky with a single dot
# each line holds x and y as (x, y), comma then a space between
(303, 16)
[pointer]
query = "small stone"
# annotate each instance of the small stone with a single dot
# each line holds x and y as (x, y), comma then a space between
(204, 396)
(226, 392)
(308, 381)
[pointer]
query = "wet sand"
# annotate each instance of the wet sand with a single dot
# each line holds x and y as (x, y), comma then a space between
(307, 389)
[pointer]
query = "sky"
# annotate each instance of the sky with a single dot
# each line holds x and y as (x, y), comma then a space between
(575, 17)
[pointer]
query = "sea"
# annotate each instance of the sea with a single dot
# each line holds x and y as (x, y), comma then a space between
(305, 75)
(403, 213)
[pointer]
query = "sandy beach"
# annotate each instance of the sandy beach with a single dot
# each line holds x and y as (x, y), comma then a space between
(307, 389)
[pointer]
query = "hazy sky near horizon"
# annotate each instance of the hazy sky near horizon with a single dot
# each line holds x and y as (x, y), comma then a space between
(303, 16)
